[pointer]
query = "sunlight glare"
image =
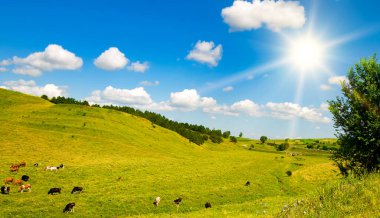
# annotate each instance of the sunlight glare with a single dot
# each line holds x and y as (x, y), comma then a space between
(306, 54)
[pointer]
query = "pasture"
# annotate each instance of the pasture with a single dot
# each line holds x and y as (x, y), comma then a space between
(123, 163)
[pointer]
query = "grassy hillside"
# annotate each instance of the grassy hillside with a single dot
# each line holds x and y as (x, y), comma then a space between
(123, 162)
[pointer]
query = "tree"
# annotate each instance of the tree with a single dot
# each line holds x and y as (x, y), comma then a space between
(233, 139)
(263, 139)
(226, 134)
(45, 97)
(241, 134)
(283, 146)
(356, 118)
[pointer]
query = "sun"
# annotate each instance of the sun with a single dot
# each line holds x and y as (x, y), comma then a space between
(306, 53)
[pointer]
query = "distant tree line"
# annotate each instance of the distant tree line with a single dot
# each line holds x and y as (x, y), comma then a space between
(197, 134)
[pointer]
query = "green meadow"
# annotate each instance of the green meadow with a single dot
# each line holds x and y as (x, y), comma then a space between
(123, 163)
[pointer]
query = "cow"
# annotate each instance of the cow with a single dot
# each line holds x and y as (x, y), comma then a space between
(26, 187)
(157, 201)
(15, 165)
(208, 205)
(5, 190)
(36, 164)
(17, 182)
(177, 202)
(61, 166)
(23, 164)
(25, 178)
(50, 168)
(69, 207)
(54, 190)
(77, 189)
(8, 180)
(14, 168)
(248, 183)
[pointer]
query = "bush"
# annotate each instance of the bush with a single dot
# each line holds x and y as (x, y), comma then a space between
(283, 146)
(289, 173)
(233, 139)
(251, 147)
(263, 139)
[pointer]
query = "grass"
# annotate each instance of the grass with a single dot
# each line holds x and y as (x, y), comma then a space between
(123, 163)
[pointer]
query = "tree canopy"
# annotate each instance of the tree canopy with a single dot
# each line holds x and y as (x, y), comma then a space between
(356, 118)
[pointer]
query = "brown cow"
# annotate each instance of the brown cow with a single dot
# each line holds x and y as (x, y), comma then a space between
(26, 187)
(8, 180)
(23, 164)
(17, 182)
(14, 168)
(15, 165)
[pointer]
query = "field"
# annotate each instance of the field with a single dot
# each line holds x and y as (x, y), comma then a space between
(123, 162)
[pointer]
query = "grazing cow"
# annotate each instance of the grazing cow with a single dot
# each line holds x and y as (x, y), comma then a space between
(54, 190)
(248, 183)
(5, 190)
(17, 182)
(77, 189)
(36, 164)
(208, 205)
(177, 202)
(50, 168)
(26, 187)
(8, 180)
(14, 168)
(69, 207)
(157, 201)
(23, 164)
(25, 178)
(15, 165)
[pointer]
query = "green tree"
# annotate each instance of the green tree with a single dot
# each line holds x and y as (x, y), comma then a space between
(45, 97)
(226, 134)
(283, 146)
(263, 139)
(241, 134)
(233, 139)
(356, 118)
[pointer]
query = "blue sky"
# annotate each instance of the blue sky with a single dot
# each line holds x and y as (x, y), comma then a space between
(224, 64)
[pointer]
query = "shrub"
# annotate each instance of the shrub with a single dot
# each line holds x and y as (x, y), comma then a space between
(233, 139)
(289, 173)
(251, 147)
(283, 146)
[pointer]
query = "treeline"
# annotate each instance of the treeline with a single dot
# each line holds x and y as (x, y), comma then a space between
(197, 134)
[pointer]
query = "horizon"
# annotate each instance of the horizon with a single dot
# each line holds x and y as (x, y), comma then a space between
(226, 65)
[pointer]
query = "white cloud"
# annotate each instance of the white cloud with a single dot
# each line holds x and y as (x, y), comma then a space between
(110, 95)
(289, 111)
(220, 109)
(189, 100)
(148, 83)
(250, 77)
(317, 127)
(325, 87)
(336, 80)
(247, 107)
(324, 106)
(54, 57)
(139, 67)
(206, 53)
(276, 15)
(137, 98)
(111, 59)
(27, 71)
(3, 69)
(228, 89)
(30, 87)
(5, 63)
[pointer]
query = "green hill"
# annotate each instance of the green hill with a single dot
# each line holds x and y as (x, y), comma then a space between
(123, 162)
